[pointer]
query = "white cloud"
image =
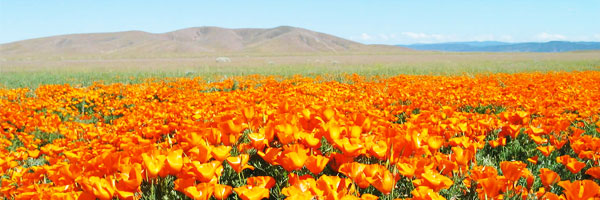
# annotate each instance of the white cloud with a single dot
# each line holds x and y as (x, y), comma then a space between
(421, 36)
(365, 36)
(547, 37)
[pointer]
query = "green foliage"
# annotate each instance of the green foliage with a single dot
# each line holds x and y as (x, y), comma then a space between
(46, 138)
(16, 143)
(401, 118)
(30, 162)
(482, 109)
(160, 189)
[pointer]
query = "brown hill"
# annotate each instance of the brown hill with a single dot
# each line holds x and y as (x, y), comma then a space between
(283, 39)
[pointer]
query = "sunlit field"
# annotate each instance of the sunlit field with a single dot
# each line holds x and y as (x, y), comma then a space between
(479, 132)
(16, 72)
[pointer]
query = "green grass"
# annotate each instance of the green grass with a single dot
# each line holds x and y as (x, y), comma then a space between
(32, 73)
(33, 79)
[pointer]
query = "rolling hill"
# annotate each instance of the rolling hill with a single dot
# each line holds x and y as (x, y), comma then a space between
(283, 39)
(493, 46)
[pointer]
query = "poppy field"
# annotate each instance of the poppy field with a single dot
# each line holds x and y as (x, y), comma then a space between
(489, 136)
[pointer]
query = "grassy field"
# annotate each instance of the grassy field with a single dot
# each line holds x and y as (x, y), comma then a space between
(15, 73)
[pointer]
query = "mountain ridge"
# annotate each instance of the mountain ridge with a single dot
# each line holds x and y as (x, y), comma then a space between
(205, 39)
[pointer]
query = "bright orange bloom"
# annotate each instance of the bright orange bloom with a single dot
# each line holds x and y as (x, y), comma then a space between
(533, 160)
(594, 172)
(261, 181)
(240, 162)
(433, 180)
(154, 163)
(248, 192)
(220, 153)
(293, 157)
(175, 161)
(462, 156)
(513, 170)
(316, 163)
(580, 190)
(202, 191)
(546, 150)
(425, 193)
(491, 188)
(384, 182)
(355, 171)
(271, 155)
(548, 177)
(572, 164)
(221, 191)
(133, 177)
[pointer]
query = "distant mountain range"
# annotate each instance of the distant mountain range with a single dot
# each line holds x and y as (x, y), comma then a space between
(197, 40)
(494, 46)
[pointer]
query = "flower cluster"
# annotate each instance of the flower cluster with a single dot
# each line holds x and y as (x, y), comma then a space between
(528, 135)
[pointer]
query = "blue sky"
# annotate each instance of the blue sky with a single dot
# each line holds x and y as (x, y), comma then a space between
(371, 22)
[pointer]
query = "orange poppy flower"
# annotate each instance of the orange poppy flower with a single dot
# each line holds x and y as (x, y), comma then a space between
(285, 133)
(175, 161)
(271, 155)
(384, 182)
(293, 157)
(334, 187)
(367, 196)
(379, 149)
(594, 172)
(202, 191)
(328, 114)
(239, 163)
(462, 156)
(221, 191)
(550, 196)
(490, 188)
(355, 171)
(548, 177)
(425, 193)
(220, 153)
(316, 163)
(310, 140)
(181, 183)
(434, 180)
(580, 189)
(133, 177)
(533, 160)
(205, 172)
(500, 141)
(546, 150)
(435, 142)
(572, 164)
(406, 169)
(101, 188)
(512, 170)
(301, 187)
(33, 153)
(201, 152)
(258, 140)
(350, 147)
(261, 181)
(153, 163)
(248, 192)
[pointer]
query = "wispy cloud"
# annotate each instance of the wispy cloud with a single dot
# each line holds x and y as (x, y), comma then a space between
(424, 36)
(548, 36)
(408, 37)
(366, 37)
